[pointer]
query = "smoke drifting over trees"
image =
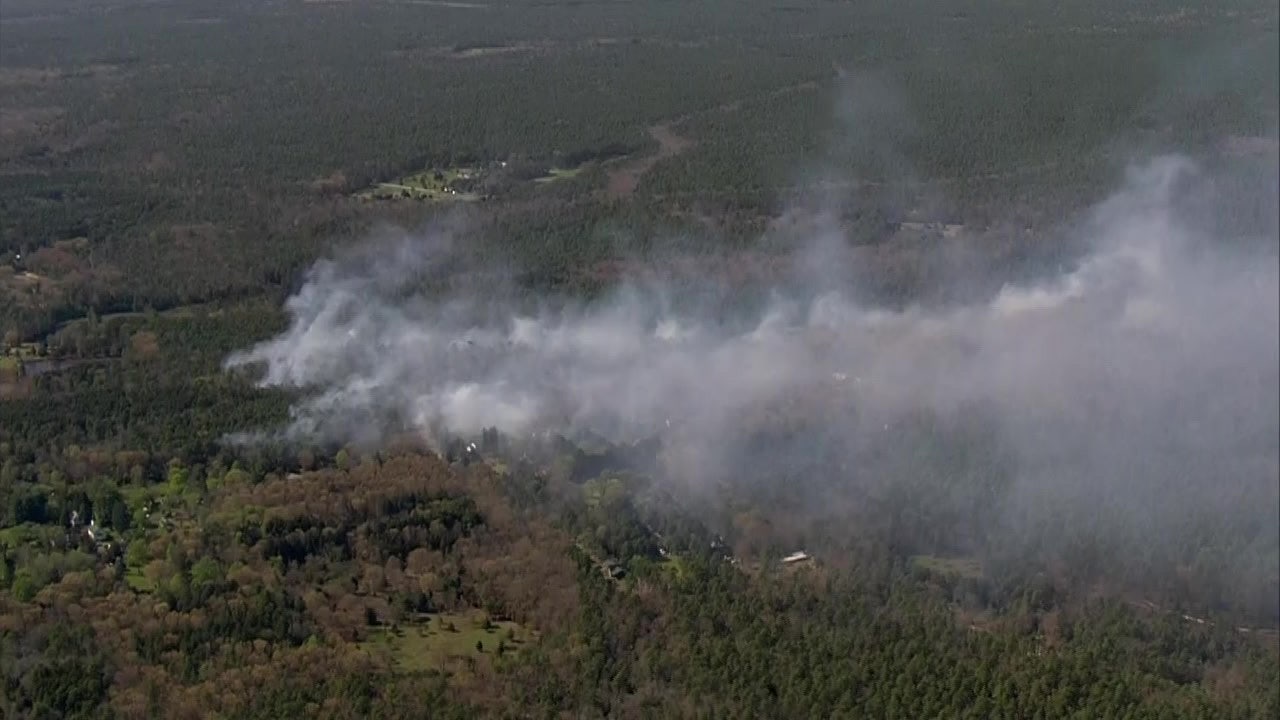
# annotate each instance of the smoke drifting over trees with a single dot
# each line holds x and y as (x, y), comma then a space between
(1121, 410)
(1157, 327)
(1139, 386)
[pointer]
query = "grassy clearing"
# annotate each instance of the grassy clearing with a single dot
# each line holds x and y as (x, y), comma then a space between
(460, 184)
(962, 567)
(430, 643)
(558, 174)
(136, 581)
(10, 357)
(675, 566)
(27, 350)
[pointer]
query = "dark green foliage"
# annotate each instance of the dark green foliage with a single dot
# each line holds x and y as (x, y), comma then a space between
(217, 154)
(53, 672)
(874, 647)
(263, 615)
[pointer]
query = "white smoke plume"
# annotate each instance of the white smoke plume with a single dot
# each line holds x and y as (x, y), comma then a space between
(1154, 316)
(1141, 383)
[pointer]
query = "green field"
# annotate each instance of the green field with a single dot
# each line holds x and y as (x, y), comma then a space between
(676, 566)
(430, 643)
(138, 582)
(23, 351)
(958, 567)
(559, 174)
(445, 185)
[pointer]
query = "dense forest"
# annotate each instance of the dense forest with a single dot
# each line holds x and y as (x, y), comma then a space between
(169, 172)
(212, 140)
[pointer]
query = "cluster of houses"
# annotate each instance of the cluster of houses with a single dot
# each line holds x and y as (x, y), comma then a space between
(102, 539)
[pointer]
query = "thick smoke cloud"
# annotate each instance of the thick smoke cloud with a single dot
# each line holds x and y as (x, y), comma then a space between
(1139, 388)
(1155, 327)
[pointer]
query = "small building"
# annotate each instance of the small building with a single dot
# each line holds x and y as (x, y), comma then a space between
(796, 557)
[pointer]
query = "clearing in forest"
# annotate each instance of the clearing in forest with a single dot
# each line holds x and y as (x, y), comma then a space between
(431, 642)
(958, 567)
(459, 184)
(624, 180)
(557, 174)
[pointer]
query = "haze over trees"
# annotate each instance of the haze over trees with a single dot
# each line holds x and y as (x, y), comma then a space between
(554, 327)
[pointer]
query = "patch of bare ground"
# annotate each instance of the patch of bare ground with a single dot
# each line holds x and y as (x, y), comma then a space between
(334, 184)
(490, 50)
(500, 50)
(144, 344)
(624, 179)
(444, 4)
(455, 52)
(25, 280)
